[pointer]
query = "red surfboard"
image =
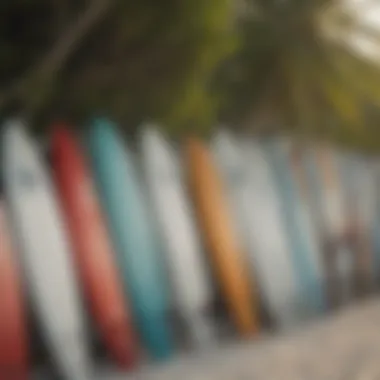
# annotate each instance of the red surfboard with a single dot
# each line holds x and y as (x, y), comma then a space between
(13, 325)
(92, 248)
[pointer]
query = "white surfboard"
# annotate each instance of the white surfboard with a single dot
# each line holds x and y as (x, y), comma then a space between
(376, 220)
(329, 205)
(45, 254)
(191, 287)
(362, 183)
(311, 232)
(367, 215)
(255, 205)
(306, 255)
(360, 187)
(331, 192)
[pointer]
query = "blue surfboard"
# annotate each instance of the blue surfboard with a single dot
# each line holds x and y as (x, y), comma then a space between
(305, 254)
(133, 236)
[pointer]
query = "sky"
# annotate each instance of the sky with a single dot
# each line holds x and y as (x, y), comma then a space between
(368, 12)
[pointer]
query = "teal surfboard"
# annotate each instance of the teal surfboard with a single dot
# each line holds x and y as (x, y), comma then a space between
(134, 238)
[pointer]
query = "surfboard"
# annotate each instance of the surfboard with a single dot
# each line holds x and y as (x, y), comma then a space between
(134, 238)
(46, 255)
(255, 206)
(14, 342)
(298, 169)
(328, 205)
(304, 251)
(376, 220)
(359, 182)
(332, 198)
(367, 207)
(92, 248)
(190, 285)
(226, 254)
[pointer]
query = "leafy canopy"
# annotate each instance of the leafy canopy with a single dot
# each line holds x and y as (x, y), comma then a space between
(191, 63)
(130, 59)
(296, 68)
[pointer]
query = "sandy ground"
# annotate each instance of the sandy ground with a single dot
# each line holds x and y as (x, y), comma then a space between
(344, 346)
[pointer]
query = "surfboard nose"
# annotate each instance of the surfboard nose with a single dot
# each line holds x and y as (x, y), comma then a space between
(157, 335)
(61, 137)
(17, 151)
(14, 132)
(78, 367)
(149, 132)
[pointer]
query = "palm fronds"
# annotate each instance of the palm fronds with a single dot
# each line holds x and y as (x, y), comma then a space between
(305, 47)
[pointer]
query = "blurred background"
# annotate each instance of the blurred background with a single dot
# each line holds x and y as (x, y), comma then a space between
(308, 66)
(305, 69)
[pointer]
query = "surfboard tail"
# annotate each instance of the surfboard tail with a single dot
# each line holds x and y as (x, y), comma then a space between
(202, 331)
(156, 335)
(123, 346)
(76, 365)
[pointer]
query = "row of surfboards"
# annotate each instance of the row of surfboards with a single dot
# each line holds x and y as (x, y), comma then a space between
(126, 240)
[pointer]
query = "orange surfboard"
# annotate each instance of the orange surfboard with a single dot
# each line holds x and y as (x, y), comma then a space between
(92, 248)
(13, 328)
(216, 223)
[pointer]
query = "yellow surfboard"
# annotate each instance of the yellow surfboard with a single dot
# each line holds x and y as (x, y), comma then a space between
(226, 255)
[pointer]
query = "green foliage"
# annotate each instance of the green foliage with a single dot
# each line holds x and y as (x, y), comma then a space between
(145, 59)
(290, 68)
(191, 63)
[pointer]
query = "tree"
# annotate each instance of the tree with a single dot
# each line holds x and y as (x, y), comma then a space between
(129, 59)
(296, 68)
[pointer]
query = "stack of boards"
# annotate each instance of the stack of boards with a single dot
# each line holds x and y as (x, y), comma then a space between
(133, 248)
